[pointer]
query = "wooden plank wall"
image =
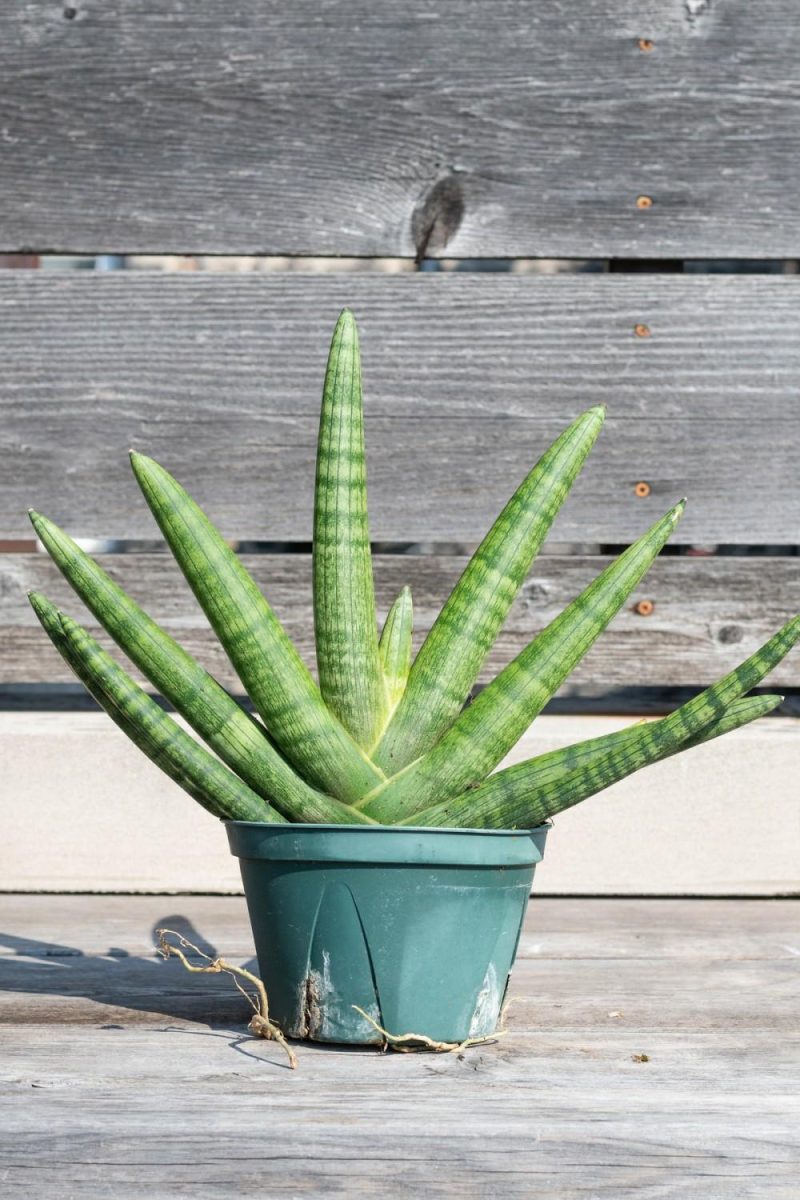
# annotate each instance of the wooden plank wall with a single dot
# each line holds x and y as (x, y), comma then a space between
(369, 128)
(467, 379)
(707, 613)
(639, 129)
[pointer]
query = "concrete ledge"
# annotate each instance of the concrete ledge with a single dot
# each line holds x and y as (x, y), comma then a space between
(82, 810)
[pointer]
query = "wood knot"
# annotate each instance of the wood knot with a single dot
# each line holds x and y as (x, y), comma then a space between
(535, 592)
(729, 634)
(695, 10)
(437, 216)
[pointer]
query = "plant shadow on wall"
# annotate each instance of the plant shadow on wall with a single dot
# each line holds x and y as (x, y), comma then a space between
(120, 984)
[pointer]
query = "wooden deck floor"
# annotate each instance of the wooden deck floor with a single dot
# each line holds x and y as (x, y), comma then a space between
(122, 1076)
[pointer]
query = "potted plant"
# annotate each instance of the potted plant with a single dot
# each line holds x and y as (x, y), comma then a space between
(386, 864)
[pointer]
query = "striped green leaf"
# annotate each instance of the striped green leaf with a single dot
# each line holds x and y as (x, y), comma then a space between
(525, 795)
(561, 778)
(345, 624)
(273, 674)
(451, 656)
(238, 739)
(566, 776)
(395, 648)
(497, 718)
(139, 716)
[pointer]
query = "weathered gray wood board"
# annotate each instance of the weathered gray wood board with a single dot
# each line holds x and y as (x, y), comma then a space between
(709, 613)
(360, 128)
(124, 1075)
(44, 927)
(467, 379)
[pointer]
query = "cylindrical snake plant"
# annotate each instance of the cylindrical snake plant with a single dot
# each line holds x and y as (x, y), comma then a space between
(385, 737)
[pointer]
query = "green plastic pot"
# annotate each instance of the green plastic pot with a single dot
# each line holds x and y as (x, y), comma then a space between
(417, 927)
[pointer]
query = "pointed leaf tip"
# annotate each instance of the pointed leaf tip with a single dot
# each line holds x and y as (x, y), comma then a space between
(144, 468)
(139, 459)
(346, 322)
(43, 607)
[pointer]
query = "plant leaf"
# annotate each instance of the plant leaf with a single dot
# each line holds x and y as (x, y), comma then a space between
(273, 674)
(139, 716)
(563, 777)
(345, 624)
(497, 718)
(238, 739)
(525, 795)
(451, 656)
(395, 648)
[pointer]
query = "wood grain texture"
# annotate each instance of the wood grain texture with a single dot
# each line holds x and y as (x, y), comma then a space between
(709, 613)
(555, 928)
(467, 380)
(121, 1073)
(357, 128)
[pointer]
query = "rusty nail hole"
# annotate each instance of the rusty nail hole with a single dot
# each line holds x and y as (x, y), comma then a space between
(70, 13)
(644, 201)
(642, 489)
(646, 44)
(644, 608)
(642, 330)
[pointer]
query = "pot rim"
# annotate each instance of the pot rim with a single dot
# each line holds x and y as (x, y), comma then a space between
(312, 827)
(410, 845)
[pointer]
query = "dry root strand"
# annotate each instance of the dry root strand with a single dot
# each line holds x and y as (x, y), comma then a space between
(260, 1024)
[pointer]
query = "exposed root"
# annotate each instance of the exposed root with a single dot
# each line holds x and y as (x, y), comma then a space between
(412, 1043)
(260, 1024)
